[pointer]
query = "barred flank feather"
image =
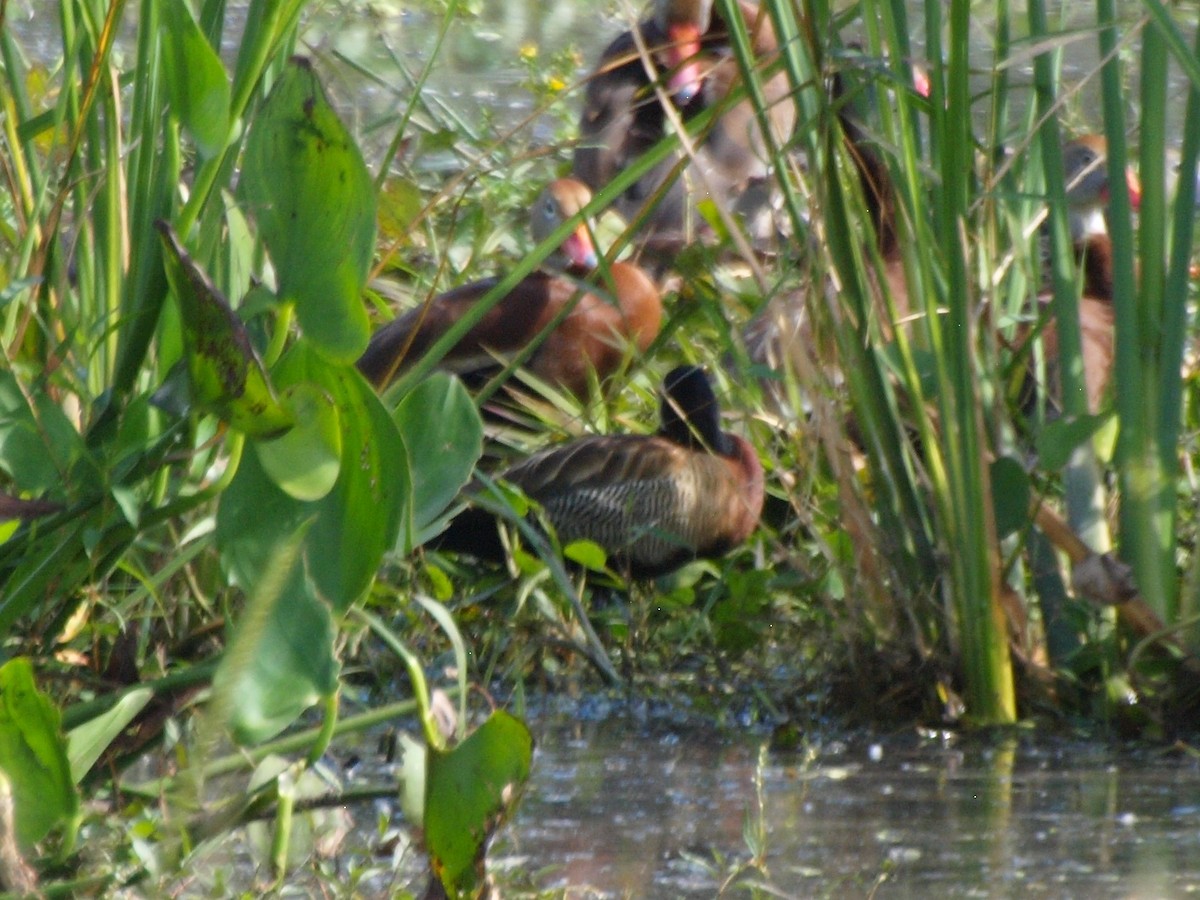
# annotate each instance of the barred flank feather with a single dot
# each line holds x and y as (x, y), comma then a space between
(653, 502)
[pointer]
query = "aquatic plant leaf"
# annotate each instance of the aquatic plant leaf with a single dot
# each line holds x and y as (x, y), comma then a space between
(469, 791)
(280, 659)
(33, 755)
(1058, 440)
(254, 517)
(354, 523)
(740, 618)
(306, 184)
(444, 436)
(359, 519)
(292, 665)
(196, 80)
(228, 378)
(1010, 495)
(39, 447)
(88, 741)
(305, 460)
(586, 553)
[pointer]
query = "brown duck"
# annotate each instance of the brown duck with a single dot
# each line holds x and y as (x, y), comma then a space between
(689, 48)
(652, 502)
(624, 309)
(1088, 187)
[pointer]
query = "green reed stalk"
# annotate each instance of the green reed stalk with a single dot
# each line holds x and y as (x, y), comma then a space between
(1148, 441)
(1084, 495)
(267, 41)
(1146, 530)
(968, 520)
(752, 77)
(153, 173)
(1175, 323)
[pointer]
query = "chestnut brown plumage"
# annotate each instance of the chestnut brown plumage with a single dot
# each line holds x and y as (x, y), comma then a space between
(1088, 187)
(1097, 320)
(592, 336)
(689, 47)
(653, 502)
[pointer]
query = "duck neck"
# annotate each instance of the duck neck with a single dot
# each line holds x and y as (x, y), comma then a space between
(873, 174)
(1096, 257)
(753, 482)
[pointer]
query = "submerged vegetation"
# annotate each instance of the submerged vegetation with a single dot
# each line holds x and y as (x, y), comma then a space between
(212, 527)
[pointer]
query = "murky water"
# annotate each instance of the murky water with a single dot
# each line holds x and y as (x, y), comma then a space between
(622, 808)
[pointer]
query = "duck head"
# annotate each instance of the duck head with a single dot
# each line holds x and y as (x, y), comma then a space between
(684, 23)
(1085, 164)
(690, 414)
(559, 201)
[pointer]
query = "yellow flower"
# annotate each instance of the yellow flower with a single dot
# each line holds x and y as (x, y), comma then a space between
(528, 51)
(555, 83)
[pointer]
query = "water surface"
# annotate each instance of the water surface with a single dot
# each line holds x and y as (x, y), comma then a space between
(625, 808)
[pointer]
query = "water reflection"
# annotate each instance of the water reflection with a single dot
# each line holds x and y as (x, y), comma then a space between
(384, 45)
(624, 809)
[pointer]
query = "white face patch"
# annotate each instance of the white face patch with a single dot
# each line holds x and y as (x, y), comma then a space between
(1088, 223)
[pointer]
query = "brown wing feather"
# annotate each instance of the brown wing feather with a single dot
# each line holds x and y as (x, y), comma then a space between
(507, 327)
(650, 503)
(591, 336)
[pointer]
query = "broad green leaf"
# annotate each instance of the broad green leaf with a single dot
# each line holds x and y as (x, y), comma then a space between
(196, 80)
(253, 518)
(740, 618)
(354, 523)
(305, 182)
(292, 667)
(228, 378)
(236, 251)
(1058, 439)
(88, 741)
(39, 447)
(586, 553)
(357, 521)
(469, 791)
(33, 755)
(280, 659)
(1010, 495)
(305, 460)
(444, 436)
